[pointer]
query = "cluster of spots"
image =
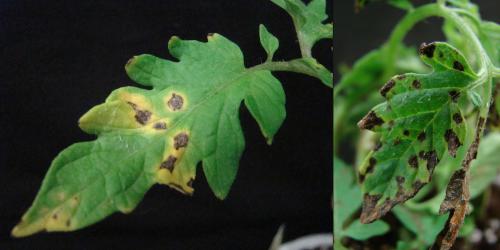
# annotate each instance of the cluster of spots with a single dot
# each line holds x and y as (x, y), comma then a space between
(141, 116)
(431, 158)
(60, 219)
(453, 142)
(427, 49)
(167, 173)
(175, 102)
(370, 121)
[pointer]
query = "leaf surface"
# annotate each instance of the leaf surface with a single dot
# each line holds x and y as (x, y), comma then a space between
(418, 123)
(145, 137)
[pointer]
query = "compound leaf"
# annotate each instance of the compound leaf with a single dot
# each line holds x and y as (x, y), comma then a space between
(154, 136)
(418, 123)
(308, 20)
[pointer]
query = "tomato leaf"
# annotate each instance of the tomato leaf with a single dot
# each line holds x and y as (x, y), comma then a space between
(418, 123)
(154, 136)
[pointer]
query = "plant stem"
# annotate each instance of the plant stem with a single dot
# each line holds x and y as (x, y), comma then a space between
(296, 65)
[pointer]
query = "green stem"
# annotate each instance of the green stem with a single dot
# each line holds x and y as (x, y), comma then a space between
(297, 66)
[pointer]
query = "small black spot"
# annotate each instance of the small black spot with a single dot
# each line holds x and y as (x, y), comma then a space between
(458, 66)
(400, 77)
(160, 125)
(422, 155)
(457, 118)
(190, 182)
(169, 164)
(361, 178)
(370, 121)
(432, 160)
(427, 49)
(387, 87)
(377, 146)
(397, 141)
(421, 136)
(417, 185)
(453, 142)
(400, 180)
(175, 102)
(181, 141)
(413, 161)
(441, 54)
(406, 132)
(416, 84)
(454, 95)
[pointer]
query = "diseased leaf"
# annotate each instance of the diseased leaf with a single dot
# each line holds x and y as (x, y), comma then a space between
(268, 41)
(158, 136)
(419, 122)
(308, 20)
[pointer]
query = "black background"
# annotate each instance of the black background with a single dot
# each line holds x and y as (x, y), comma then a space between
(60, 58)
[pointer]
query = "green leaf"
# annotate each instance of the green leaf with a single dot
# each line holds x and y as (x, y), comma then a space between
(311, 67)
(308, 20)
(158, 136)
(346, 201)
(425, 226)
(268, 41)
(418, 123)
(359, 231)
(487, 165)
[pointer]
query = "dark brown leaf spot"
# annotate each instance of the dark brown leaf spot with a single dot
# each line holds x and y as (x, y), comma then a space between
(458, 66)
(371, 164)
(54, 216)
(421, 136)
(457, 118)
(413, 161)
(142, 116)
(370, 121)
(432, 160)
(422, 155)
(400, 180)
(175, 102)
(406, 132)
(454, 95)
(417, 185)
(416, 84)
(361, 178)
(400, 77)
(427, 49)
(169, 164)
(181, 141)
(454, 191)
(68, 223)
(397, 141)
(387, 87)
(453, 142)
(377, 146)
(160, 125)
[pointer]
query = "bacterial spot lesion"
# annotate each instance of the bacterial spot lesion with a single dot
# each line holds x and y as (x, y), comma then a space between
(175, 102)
(169, 163)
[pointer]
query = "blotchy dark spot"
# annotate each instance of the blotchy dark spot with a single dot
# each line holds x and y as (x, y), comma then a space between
(406, 133)
(416, 84)
(441, 54)
(397, 141)
(457, 118)
(142, 116)
(169, 164)
(68, 223)
(370, 121)
(190, 182)
(54, 216)
(181, 140)
(422, 155)
(400, 77)
(453, 142)
(361, 178)
(454, 95)
(417, 184)
(432, 160)
(427, 49)
(413, 161)
(160, 125)
(175, 102)
(458, 66)
(421, 136)
(377, 146)
(387, 87)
